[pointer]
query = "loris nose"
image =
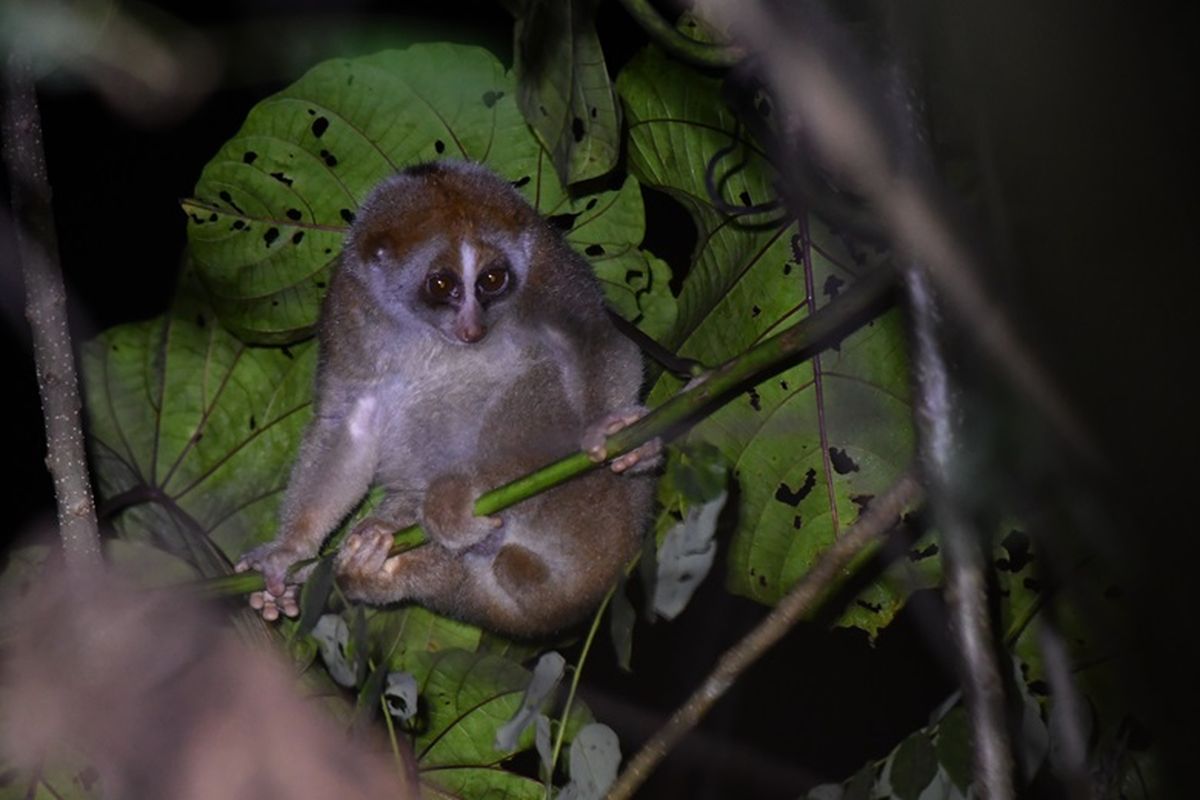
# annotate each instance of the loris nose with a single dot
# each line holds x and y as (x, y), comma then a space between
(469, 326)
(471, 332)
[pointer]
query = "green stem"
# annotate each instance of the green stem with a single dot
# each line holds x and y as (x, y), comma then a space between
(826, 326)
(583, 654)
(701, 54)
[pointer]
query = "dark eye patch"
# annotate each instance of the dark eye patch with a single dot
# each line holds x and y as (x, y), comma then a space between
(442, 287)
(493, 280)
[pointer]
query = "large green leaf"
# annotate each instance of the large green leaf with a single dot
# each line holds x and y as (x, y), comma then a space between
(564, 90)
(811, 446)
(465, 699)
(607, 230)
(196, 430)
(64, 775)
(410, 631)
(269, 212)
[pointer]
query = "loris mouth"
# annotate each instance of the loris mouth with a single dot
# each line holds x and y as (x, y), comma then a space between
(455, 338)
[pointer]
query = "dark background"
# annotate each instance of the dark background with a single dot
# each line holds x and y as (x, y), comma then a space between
(1089, 217)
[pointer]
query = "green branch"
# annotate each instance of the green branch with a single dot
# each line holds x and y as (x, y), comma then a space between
(693, 51)
(806, 338)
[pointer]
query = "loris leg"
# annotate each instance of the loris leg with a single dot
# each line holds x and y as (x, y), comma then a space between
(448, 513)
(471, 587)
(645, 457)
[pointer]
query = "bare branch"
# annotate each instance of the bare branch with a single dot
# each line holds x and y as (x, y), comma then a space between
(803, 598)
(963, 550)
(46, 310)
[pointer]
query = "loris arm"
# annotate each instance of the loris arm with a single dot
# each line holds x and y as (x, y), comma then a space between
(333, 471)
(613, 366)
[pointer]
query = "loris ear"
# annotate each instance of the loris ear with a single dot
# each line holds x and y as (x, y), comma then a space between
(376, 248)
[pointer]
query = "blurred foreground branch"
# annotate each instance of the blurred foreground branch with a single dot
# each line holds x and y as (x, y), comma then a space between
(964, 547)
(165, 701)
(46, 310)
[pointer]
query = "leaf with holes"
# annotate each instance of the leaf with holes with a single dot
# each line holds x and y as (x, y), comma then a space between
(564, 90)
(193, 433)
(268, 215)
(466, 698)
(607, 229)
(812, 445)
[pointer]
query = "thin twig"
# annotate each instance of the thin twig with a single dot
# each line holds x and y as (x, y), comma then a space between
(803, 598)
(576, 672)
(46, 310)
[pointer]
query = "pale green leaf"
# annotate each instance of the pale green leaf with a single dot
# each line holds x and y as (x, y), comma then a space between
(685, 557)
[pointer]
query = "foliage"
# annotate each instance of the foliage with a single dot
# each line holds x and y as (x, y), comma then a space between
(195, 416)
(812, 446)
(269, 212)
(195, 422)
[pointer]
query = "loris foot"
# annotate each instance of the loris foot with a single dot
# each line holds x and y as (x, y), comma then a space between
(363, 555)
(448, 514)
(279, 594)
(645, 457)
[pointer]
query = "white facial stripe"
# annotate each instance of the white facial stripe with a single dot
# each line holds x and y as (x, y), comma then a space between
(470, 264)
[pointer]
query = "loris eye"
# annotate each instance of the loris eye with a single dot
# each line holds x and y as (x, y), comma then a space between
(441, 287)
(494, 281)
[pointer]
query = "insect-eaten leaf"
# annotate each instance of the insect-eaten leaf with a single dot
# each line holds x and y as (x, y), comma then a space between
(595, 757)
(685, 557)
(268, 215)
(333, 637)
(563, 87)
(811, 446)
(546, 677)
(400, 694)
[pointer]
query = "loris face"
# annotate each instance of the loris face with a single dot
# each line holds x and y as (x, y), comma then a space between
(447, 246)
(464, 292)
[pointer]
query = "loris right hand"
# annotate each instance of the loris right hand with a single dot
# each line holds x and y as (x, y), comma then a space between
(273, 560)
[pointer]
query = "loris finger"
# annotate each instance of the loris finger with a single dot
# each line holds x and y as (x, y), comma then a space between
(644, 458)
(594, 438)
